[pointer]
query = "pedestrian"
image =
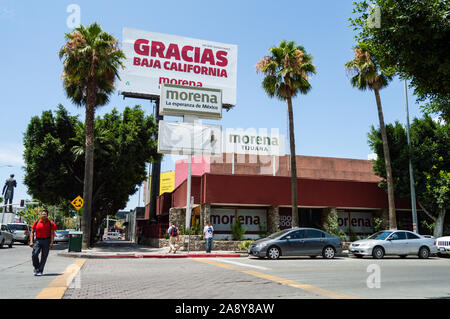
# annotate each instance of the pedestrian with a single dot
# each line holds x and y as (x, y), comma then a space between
(174, 238)
(44, 229)
(208, 233)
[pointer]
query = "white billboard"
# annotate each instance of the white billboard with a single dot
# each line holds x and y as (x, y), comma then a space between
(155, 58)
(189, 138)
(255, 220)
(177, 100)
(252, 142)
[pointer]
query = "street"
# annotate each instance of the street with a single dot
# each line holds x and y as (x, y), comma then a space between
(226, 278)
(16, 271)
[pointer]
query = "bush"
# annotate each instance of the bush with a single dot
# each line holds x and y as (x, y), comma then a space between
(332, 226)
(244, 245)
(237, 230)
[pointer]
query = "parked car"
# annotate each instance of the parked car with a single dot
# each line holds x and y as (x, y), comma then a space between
(21, 232)
(297, 242)
(6, 236)
(112, 235)
(61, 236)
(443, 246)
(394, 242)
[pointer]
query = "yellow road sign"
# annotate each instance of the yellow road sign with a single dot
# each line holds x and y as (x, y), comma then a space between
(77, 203)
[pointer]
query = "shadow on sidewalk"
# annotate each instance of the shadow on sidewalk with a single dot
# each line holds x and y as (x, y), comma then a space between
(122, 246)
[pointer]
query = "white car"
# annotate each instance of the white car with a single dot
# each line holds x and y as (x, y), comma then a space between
(394, 242)
(112, 235)
(443, 246)
(6, 236)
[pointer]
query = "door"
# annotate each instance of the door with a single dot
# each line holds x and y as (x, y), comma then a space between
(398, 244)
(314, 242)
(295, 244)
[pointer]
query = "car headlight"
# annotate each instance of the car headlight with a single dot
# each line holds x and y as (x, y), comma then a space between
(262, 245)
(364, 245)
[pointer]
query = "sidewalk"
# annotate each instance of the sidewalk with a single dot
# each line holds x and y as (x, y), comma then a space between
(126, 249)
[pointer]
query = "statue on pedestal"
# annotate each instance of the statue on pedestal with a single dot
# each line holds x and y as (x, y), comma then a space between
(8, 192)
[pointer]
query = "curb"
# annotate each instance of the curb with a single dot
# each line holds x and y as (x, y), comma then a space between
(136, 256)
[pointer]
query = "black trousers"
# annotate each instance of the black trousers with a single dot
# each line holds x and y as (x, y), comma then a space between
(40, 245)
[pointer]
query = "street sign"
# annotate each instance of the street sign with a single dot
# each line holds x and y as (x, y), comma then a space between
(77, 203)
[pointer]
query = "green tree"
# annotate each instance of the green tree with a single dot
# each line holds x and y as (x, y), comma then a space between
(287, 71)
(54, 149)
(431, 162)
(366, 74)
(413, 38)
(92, 59)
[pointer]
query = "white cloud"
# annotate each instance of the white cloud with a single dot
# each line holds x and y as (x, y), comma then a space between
(6, 13)
(12, 155)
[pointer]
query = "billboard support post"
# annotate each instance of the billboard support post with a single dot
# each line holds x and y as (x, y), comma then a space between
(156, 172)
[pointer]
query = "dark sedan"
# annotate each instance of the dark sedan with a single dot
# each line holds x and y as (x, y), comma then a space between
(297, 242)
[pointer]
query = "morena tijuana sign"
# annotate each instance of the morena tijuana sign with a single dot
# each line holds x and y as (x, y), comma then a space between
(154, 59)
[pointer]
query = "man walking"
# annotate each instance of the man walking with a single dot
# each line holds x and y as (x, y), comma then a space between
(44, 230)
(208, 232)
(174, 238)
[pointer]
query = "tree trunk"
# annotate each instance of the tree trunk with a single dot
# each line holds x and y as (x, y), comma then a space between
(295, 221)
(387, 161)
(88, 168)
(439, 226)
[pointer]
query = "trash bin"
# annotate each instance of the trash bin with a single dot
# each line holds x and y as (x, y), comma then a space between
(75, 241)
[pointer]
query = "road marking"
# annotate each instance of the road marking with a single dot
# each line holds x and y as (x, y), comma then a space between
(57, 288)
(283, 281)
(242, 264)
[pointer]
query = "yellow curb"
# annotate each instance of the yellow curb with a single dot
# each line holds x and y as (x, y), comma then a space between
(291, 283)
(57, 288)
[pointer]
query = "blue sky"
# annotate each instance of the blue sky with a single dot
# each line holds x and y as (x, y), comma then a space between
(332, 120)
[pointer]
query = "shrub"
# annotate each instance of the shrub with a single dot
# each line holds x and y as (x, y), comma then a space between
(237, 230)
(332, 226)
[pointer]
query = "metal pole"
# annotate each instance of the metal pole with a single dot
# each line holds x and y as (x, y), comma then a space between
(156, 171)
(188, 201)
(411, 172)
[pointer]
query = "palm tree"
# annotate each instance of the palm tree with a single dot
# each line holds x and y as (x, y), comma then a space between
(366, 75)
(91, 62)
(286, 73)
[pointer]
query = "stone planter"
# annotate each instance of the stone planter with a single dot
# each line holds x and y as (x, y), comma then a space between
(196, 244)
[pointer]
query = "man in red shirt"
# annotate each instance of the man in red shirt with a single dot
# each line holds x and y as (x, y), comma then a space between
(44, 230)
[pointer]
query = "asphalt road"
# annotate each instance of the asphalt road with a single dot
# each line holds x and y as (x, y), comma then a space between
(16, 271)
(249, 278)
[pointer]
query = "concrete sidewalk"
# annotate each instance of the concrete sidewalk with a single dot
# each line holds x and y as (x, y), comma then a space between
(126, 249)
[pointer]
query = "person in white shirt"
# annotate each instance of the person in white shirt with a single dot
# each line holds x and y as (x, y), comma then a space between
(208, 233)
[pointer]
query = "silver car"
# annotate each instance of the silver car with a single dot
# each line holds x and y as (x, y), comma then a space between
(394, 242)
(6, 236)
(61, 236)
(443, 246)
(21, 232)
(297, 242)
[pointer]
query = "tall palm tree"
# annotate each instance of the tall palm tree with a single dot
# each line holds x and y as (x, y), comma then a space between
(367, 75)
(92, 59)
(286, 73)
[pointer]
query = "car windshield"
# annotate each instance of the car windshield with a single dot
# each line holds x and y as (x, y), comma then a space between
(17, 227)
(62, 232)
(382, 235)
(275, 235)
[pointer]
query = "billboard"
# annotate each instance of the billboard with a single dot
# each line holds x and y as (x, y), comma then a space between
(155, 58)
(189, 138)
(255, 220)
(252, 142)
(359, 222)
(177, 100)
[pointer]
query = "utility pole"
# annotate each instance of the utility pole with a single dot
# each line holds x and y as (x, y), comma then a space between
(411, 172)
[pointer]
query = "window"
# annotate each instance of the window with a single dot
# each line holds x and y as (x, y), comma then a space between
(17, 227)
(398, 235)
(312, 233)
(380, 235)
(298, 234)
(412, 236)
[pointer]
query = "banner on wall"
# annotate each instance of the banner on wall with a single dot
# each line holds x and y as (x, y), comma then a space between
(359, 222)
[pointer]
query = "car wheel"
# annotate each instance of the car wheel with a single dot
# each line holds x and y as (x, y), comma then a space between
(378, 253)
(2, 243)
(424, 253)
(273, 252)
(328, 252)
